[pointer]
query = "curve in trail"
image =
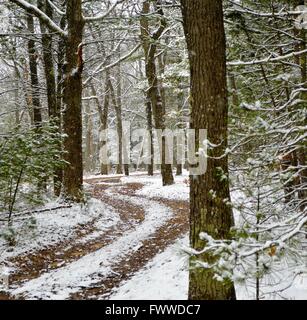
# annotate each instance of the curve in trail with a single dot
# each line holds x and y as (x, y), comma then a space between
(158, 241)
(87, 239)
(91, 268)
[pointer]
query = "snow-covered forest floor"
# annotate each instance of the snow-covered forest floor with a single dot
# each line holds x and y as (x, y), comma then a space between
(120, 245)
(83, 252)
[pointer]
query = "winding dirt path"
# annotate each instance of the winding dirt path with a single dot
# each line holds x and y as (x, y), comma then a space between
(124, 269)
(114, 194)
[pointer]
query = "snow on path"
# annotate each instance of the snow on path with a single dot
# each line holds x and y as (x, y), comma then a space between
(165, 277)
(90, 269)
(153, 187)
(115, 175)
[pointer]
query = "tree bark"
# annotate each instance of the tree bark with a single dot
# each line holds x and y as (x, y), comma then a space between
(48, 61)
(72, 99)
(59, 100)
(53, 106)
(119, 127)
(103, 115)
(180, 126)
(88, 152)
(120, 121)
(205, 36)
(150, 167)
(37, 115)
(150, 48)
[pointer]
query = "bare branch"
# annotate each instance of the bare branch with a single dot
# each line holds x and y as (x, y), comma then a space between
(102, 16)
(113, 64)
(41, 15)
(58, 10)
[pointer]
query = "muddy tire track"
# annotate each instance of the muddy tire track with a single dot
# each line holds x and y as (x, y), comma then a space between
(108, 190)
(37, 263)
(124, 269)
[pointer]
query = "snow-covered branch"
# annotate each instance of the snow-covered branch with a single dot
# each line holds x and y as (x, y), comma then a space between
(280, 14)
(41, 15)
(57, 9)
(267, 60)
(104, 15)
(113, 64)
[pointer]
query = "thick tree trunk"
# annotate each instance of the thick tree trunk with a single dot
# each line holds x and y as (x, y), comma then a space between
(204, 31)
(72, 99)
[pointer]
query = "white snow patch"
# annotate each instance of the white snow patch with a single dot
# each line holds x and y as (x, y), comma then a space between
(90, 269)
(54, 226)
(153, 187)
(165, 277)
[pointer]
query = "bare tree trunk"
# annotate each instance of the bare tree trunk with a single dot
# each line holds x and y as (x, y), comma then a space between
(28, 94)
(180, 126)
(37, 115)
(204, 31)
(59, 100)
(53, 110)
(35, 96)
(234, 92)
(72, 117)
(88, 161)
(165, 150)
(150, 167)
(103, 115)
(119, 126)
(24, 90)
(150, 48)
(48, 61)
(119, 116)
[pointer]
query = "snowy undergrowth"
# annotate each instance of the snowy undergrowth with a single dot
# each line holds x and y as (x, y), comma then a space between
(52, 227)
(92, 268)
(172, 266)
